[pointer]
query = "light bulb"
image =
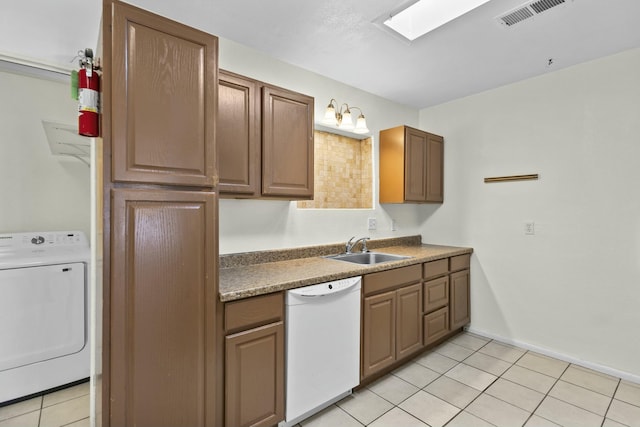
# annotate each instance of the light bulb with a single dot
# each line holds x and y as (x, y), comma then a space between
(347, 121)
(361, 125)
(329, 116)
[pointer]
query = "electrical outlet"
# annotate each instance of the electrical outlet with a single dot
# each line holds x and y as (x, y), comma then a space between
(394, 225)
(530, 228)
(372, 224)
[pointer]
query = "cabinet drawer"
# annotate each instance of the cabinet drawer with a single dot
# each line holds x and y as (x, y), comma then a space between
(390, 279)
(436, 325)
(253, 312)
(460, 262)
(436, 294)
(435, 268)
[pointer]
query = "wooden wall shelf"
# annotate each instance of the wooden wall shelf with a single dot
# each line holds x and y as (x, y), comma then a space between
(512, 178)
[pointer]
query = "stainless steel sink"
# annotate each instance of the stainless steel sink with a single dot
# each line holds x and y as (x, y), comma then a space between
(367, 257)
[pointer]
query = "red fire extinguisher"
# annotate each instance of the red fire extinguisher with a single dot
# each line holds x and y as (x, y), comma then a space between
(88, 95)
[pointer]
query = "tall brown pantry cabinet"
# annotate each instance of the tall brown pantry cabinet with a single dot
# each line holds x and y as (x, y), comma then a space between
(161, 325)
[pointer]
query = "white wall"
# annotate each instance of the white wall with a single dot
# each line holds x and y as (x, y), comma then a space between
(249, 225)
(39, 191)
(574, 287)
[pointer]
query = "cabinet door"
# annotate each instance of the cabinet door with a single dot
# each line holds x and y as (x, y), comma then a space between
(162, 308)
(254, 377)
(415, 175)
(287, 144)
(460, 299)
(435, 168)
(409, 320)
(238, 138)
(379, 332)
(163, 96)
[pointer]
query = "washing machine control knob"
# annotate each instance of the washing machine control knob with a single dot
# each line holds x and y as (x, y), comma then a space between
(38, 240)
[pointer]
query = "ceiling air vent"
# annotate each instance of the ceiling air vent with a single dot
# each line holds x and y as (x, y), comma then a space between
(526, 11)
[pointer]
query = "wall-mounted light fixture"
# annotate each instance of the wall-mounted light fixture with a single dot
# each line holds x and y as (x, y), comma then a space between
(342, 118)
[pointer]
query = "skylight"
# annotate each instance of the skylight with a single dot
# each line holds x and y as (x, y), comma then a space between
(427, 15)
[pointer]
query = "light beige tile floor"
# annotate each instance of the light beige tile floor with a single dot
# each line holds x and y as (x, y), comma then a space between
(473, 381)
(68, 407)
(467, 381)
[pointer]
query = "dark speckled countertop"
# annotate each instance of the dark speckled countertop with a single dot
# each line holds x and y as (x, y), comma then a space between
(257, 273)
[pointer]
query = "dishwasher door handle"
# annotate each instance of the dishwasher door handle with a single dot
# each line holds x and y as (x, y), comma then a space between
(329, 292)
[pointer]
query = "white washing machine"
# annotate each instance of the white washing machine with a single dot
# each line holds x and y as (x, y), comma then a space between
(44, 300)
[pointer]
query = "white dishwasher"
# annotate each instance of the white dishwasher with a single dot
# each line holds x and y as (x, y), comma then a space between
(322, 346)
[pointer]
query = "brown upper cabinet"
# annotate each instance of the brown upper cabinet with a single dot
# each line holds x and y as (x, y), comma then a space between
(239, 134)
(411, 166)
(265, 140)
(164, 95)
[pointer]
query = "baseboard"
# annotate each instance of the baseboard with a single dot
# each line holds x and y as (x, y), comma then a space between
(551, 353)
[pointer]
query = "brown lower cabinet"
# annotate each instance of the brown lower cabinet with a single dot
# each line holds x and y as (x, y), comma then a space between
(404, 310)
(446, 296)
(392, 320)
(162, 308)
(378, 332)
(254, 361)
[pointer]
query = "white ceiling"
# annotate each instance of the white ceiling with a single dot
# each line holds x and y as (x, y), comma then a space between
(338, 39)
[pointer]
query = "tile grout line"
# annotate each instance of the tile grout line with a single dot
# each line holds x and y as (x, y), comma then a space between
(591, 390)
(400, 409)
(604, 417)
(587, 389)
(531, 413)
(40, 410)
(481, 391)
(611, 402)
(569, 403)
(408, 397)
(386, 400)
(547, 395)
(441, 374)
(347, 412)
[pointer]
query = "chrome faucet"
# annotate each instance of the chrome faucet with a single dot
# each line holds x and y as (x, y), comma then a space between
(349, 246)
